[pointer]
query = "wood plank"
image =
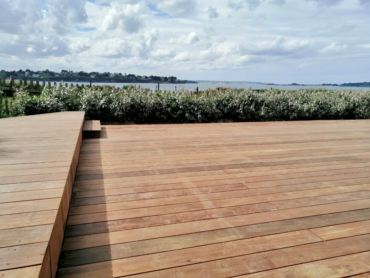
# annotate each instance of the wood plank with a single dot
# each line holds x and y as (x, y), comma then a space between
(20, 187)
(22, 255)
(27, 235)
(87, 126)
(29, 206)
(140, 218)
(252, 171)
(35, 171)
(240, 265)
(207, 253)
(344, 230)
(236, 197)
(127, 190)
(131, 249)
(364, 275)
(181, 181)
(27, 219)
(25, 272)
(207, 225)
(33, 178)
(96, 125)
(331, 268)
(197, 171)
(161, 211)
(31, 195)
(161, 193)
(161, 220)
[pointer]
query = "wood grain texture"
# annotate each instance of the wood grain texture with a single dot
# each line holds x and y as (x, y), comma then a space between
(26, 272)
(152, 246)
(344, 230)
(330, 268)
(221, 200)
(38, 161)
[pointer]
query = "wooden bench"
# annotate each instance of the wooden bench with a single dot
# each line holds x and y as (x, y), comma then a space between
(91, 129)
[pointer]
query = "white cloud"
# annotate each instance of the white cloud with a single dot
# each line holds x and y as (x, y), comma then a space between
(183, 57)
(334, 47)
(280, 46)
(192, 38)
(252, 5)
(30, 49)
(326, 2)
(65, 14)
(18, 16)
(163, 53)
(177, 7)
(79, 45)
(113, 48)
(244, 38)
(127, 17)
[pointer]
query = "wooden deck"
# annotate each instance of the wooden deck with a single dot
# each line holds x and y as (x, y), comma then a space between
(283, 199)
(38, 161)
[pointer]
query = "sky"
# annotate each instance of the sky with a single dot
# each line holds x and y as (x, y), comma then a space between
(279, 41)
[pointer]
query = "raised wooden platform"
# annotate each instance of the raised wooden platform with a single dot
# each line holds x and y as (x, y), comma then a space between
(38, 160)
(282, 199)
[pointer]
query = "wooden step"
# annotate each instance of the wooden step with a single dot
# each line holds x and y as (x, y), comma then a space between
(91, 129)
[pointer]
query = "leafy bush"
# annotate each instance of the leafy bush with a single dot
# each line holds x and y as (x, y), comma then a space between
(129, 104)
(2, 104)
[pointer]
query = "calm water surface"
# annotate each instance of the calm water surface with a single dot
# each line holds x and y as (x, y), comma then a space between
(213, 85)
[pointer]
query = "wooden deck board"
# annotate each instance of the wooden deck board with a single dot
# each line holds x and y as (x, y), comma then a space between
(221, 200)
(38, 161)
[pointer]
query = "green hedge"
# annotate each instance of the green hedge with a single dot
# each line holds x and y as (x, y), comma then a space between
(132, 105)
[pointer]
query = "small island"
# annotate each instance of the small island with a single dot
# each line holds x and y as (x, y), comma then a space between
(82, 76)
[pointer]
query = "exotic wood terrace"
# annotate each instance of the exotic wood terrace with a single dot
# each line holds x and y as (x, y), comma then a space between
(279, 199)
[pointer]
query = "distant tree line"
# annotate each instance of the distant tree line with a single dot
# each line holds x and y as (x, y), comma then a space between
(361, 84)
(82, 76)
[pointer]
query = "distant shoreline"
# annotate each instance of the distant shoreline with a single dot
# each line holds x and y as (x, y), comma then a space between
(359, 84)
(364, 85)
(108, 81)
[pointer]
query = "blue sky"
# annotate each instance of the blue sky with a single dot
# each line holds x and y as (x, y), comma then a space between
(280, 41)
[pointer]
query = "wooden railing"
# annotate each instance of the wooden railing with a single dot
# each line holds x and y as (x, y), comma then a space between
(9, 87)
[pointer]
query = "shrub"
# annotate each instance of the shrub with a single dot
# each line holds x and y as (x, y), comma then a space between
(129, 104)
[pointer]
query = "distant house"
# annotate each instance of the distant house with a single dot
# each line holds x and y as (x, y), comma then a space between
(27, 73)
(93, 76)
(35, 75)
